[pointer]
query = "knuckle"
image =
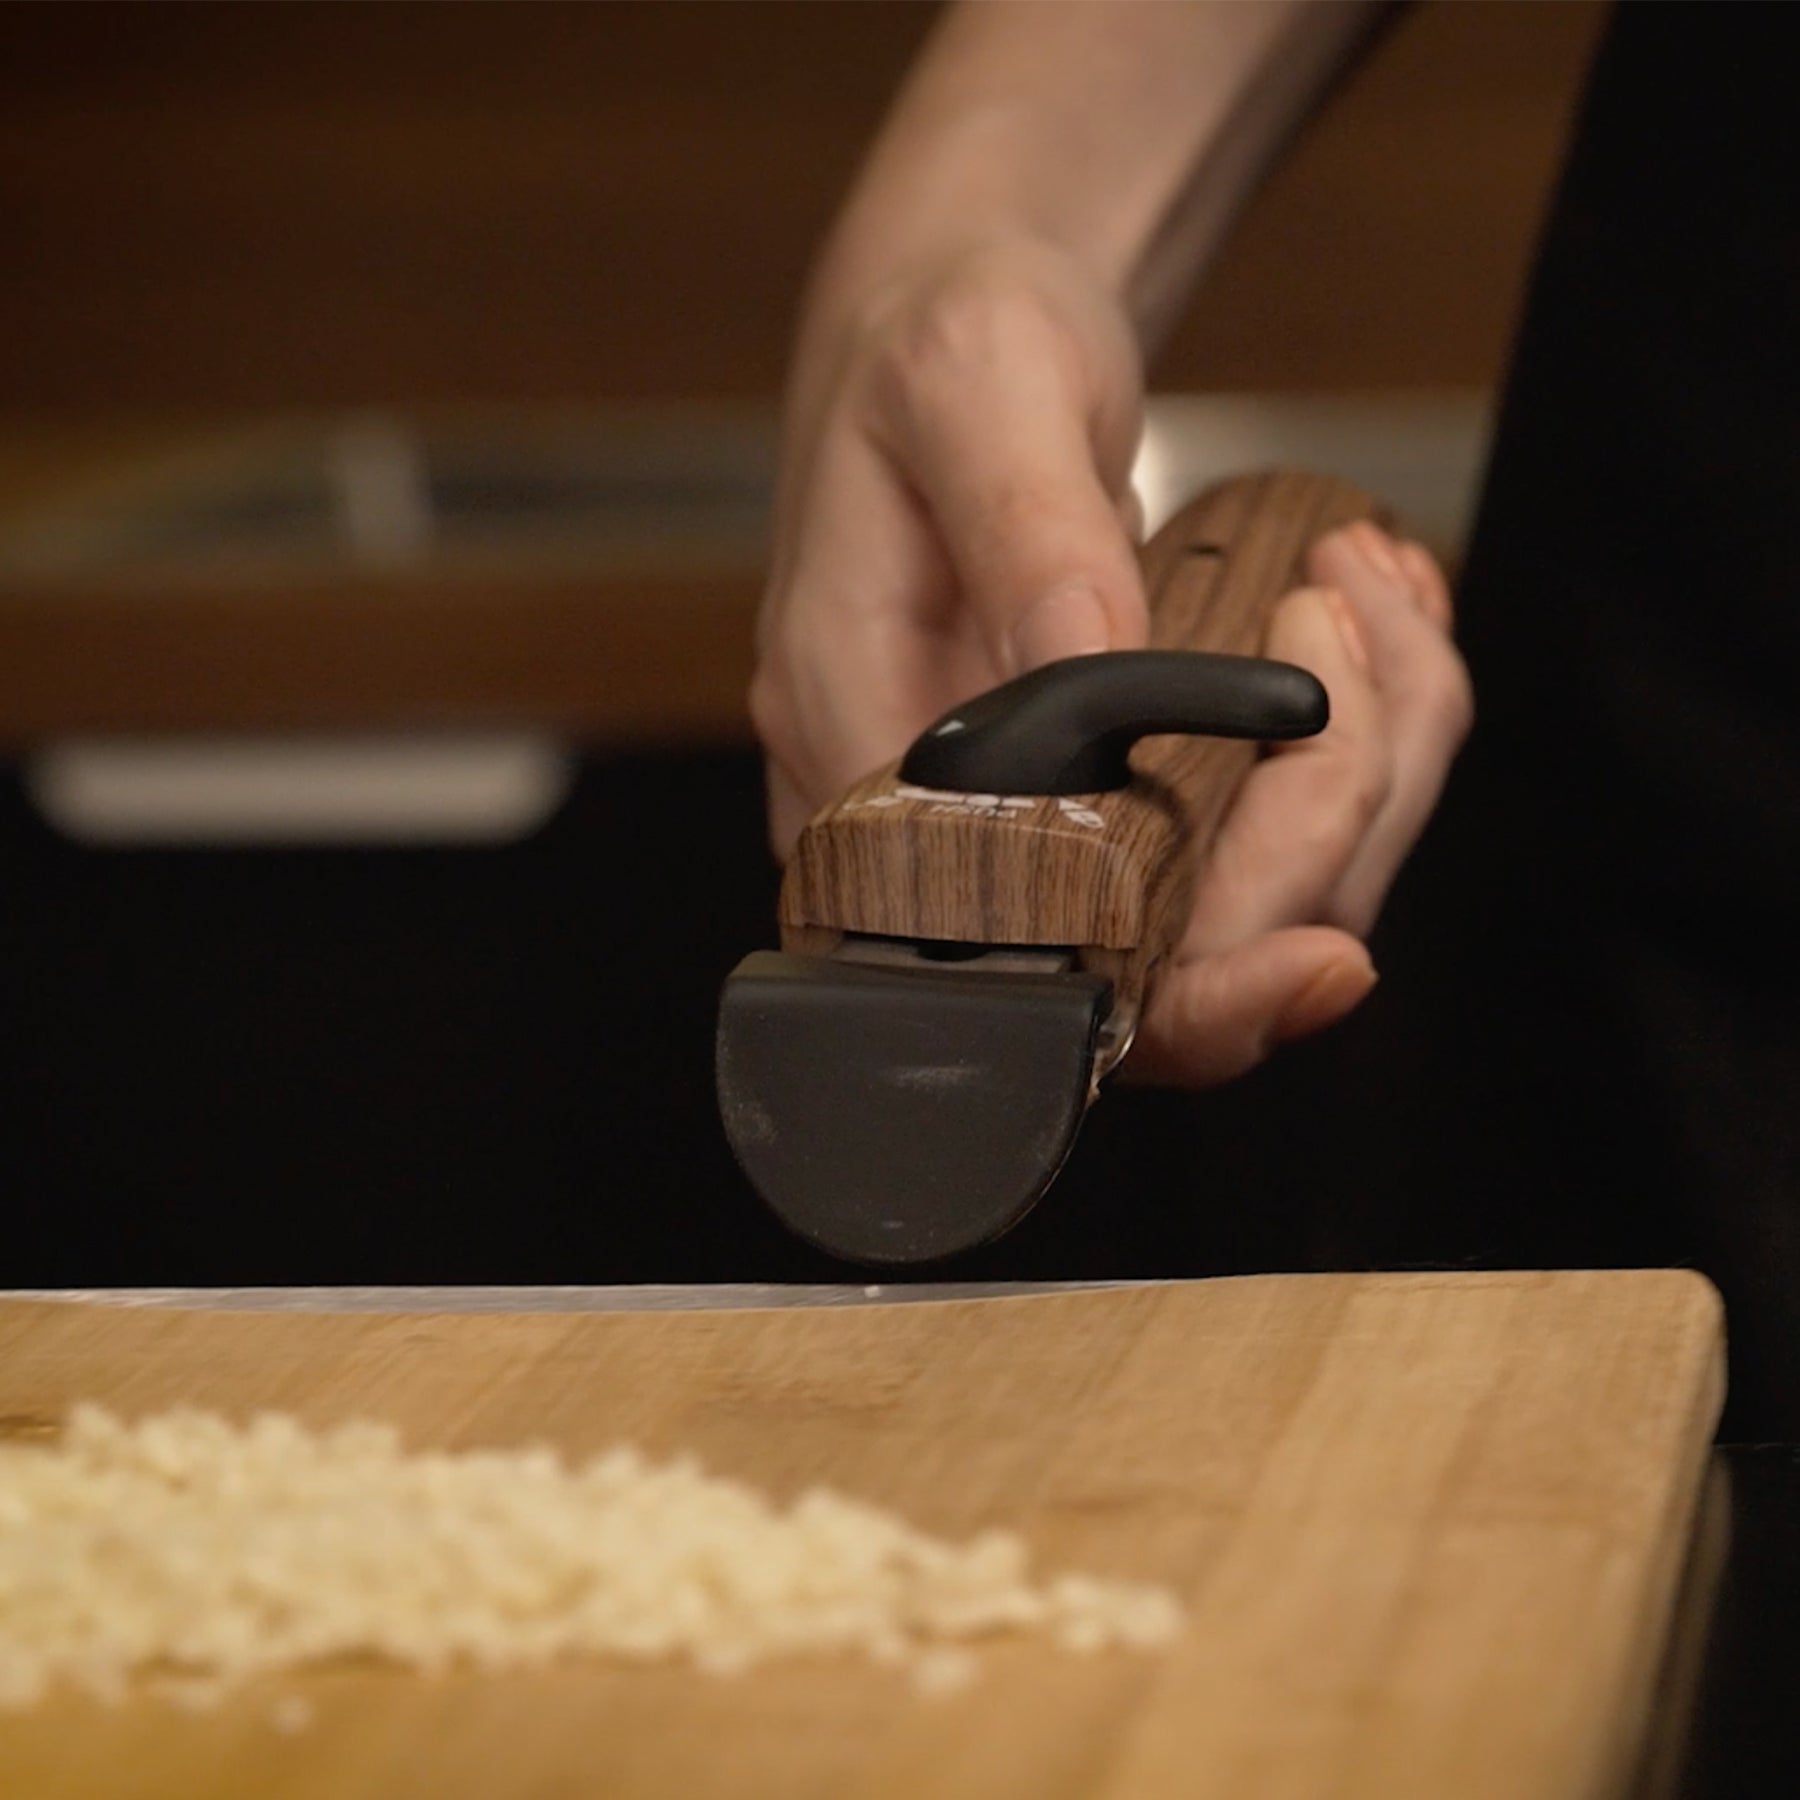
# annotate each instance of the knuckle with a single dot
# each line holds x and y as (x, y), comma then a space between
(1449, 702)
(771, 716)
(1366, 782)
(1323, 819)
(1330, 838)
(1432, 697)
(1198, 1040)
(973, 318)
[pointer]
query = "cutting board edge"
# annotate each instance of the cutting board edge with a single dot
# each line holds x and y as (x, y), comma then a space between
(1704, 1293)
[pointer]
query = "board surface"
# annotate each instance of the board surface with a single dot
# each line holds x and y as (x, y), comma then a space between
(1428, 1527)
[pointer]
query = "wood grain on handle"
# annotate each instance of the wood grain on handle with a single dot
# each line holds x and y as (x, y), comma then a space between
(1108, 873)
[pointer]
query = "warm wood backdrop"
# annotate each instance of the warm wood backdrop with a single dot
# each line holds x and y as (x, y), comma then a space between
(214, 213)
(246, 206)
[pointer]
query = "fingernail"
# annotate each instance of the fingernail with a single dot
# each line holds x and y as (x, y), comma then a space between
(1067, 621)
(1378, 550)
(1349, 627)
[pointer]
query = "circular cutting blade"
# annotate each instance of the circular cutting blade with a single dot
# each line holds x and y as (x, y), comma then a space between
(902, 1115)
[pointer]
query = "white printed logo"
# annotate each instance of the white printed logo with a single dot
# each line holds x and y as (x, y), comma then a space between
(977, 806)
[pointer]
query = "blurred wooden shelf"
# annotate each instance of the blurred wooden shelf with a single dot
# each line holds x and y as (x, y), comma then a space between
(262, 206)
(233, 219)
(632, 660)
(595, 574)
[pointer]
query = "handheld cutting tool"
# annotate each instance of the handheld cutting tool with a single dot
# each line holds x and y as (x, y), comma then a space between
(968, 935)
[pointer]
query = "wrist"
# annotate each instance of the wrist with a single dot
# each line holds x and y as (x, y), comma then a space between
(954, 184)
(1125, 136)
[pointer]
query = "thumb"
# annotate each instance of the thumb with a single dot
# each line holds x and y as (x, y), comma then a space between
(1212, 1018)
(1039, 548)
(1066, 617)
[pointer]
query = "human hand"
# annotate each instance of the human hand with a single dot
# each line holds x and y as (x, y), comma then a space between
(1273, 948)
(956, 509)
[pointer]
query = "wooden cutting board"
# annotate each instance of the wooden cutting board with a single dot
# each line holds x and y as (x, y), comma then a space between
(1429, 1528)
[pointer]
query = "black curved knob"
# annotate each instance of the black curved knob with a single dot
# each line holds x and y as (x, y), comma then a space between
(1068, 727)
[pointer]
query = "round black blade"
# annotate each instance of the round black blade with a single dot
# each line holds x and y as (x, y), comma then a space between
(901, 1115)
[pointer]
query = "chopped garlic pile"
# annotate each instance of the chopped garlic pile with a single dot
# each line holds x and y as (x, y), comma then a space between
(185, 1547)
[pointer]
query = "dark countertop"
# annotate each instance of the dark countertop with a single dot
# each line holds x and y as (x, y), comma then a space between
(1728, 1719)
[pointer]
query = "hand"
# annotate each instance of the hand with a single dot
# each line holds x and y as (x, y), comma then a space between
(956, 508)
(1273, 949)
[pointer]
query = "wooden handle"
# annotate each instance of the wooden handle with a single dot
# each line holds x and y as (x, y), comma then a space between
(1106, 874)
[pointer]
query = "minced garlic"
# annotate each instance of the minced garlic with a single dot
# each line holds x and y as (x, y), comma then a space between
(190, 1550)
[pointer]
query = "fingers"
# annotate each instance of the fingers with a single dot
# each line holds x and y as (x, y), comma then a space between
(959, 511)
(1298, 871)
(1322, 825)
(1401, 601)
(1298, 821)
(1212, 1019)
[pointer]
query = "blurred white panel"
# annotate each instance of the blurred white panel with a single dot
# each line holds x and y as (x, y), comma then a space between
(485, 789)
(1422, 453)
(383, 483)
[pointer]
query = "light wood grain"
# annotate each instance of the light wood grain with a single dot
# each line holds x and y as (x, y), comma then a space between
(1427, 1525)
(892, 860)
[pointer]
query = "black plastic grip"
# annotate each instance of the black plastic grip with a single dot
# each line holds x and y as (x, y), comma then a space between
(1068, 727)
